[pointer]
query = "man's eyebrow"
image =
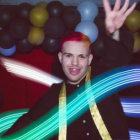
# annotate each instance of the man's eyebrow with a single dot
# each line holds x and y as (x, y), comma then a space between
(66, 53)
(82, 54)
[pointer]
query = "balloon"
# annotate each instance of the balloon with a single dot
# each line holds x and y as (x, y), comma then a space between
(6, 40)
(8, 52)
(88, 28)
(71, 17)
(88, 10)
(36, 36)
(24, 46)
(55, 8)
(136, 42)
(41, 4)
(6, 16)
(98, 46)
(133, 21)
(38, 16)
(54, 27)
(137, 6)
(19, 28)
(51, 45)
(24, 10)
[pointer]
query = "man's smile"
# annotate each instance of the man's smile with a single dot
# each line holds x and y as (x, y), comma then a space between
(74, 71)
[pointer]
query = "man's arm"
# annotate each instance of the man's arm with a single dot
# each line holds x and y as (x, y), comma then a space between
(43, 105)
(117, 40)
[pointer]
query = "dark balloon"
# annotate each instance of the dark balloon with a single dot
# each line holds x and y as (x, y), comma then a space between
(19, 28)
(137, 6)
(55, 8)
(54, 27)
(6, 16)
(98, 47)
(24, 10)
(71, 17)
(6, 40)
(51, 45)
(23, 46)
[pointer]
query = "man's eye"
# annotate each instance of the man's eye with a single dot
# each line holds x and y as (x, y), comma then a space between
(68, 55)
(82, 56)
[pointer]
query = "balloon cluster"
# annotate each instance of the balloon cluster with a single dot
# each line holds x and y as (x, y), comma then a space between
(133, 24)
(88, 12)
(15, 27)
(25, 27)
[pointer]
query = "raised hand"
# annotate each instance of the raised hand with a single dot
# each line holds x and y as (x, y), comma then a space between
(114, 18)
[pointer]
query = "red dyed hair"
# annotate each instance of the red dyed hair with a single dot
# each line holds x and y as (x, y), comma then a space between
(75, 36)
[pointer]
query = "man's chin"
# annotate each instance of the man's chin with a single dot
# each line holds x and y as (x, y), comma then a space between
(73, 81)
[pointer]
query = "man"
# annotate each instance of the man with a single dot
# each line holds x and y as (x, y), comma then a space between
(104, 120)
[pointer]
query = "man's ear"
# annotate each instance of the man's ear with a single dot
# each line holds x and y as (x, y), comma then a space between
(90, 59)
(60, 57)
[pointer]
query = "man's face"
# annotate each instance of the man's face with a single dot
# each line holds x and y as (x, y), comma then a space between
(75, 59)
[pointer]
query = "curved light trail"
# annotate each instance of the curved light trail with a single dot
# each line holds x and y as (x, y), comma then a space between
(101, 87)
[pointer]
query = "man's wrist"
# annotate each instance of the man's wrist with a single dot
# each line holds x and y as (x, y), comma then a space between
(115, 35)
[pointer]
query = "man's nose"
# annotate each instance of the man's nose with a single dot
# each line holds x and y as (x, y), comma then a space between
(75, 61)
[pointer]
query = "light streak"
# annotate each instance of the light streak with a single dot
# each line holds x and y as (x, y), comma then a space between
(8, 118)
(101, 87)
(29, 72)
(131, 106)
(134, 134)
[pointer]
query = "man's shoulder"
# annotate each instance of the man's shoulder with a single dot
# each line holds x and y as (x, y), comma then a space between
(51, 94)
(56, 86)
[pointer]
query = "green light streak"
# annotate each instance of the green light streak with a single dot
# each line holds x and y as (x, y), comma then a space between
(7, 119)
(45, 127)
